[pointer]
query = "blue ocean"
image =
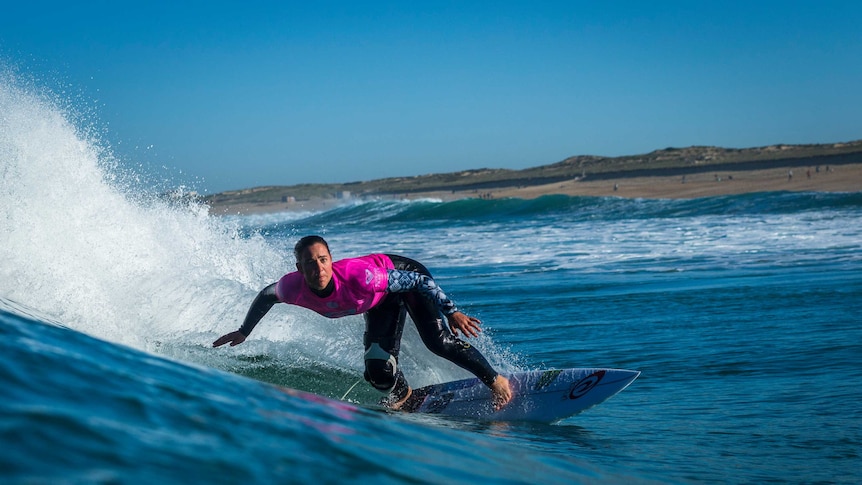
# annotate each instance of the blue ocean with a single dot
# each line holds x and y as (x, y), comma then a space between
(741, 312)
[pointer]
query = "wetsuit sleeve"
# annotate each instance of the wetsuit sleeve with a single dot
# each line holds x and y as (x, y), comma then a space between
(259, 307)
(402, 281)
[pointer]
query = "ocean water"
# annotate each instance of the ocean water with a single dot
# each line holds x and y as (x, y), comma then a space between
(741, 312)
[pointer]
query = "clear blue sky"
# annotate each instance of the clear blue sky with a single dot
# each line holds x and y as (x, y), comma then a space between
(242, 94)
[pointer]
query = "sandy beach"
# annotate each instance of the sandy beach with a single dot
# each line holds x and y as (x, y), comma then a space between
(841, 178)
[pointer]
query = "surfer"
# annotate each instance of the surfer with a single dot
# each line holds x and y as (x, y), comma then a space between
(382, 287)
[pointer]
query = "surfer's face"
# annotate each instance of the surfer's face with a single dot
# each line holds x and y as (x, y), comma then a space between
(315, 264)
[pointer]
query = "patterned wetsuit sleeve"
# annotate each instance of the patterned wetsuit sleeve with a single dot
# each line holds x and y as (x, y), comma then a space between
(401, 281)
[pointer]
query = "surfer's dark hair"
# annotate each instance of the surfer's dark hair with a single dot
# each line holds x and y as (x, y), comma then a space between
(307, 242)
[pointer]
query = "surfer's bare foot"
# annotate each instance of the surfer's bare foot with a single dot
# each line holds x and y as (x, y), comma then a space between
(397, 405)
(501, 392)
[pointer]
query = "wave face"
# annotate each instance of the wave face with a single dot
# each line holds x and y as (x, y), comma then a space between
(741, 312)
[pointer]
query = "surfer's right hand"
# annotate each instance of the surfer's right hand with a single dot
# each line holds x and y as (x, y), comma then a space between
(469, 326)
(235, 338)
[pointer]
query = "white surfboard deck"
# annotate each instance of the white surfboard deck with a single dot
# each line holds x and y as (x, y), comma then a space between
(545, 396)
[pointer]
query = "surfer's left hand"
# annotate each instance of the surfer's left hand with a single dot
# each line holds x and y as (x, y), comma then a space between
(469, 326)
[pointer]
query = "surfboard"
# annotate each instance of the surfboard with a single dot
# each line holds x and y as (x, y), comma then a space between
(545, 396)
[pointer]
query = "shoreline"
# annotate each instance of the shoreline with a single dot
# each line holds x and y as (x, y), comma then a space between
(838, 178)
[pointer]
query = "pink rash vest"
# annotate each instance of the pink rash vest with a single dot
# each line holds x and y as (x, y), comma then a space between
(360, 284)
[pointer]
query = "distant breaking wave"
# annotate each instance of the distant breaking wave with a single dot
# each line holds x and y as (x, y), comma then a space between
(577, 208)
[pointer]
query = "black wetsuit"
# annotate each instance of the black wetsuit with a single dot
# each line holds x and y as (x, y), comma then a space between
(384, 325)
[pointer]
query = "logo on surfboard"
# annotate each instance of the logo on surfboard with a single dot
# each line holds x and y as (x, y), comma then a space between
(584, 385)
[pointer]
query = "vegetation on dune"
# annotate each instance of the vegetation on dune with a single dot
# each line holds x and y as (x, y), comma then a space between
(668, 161)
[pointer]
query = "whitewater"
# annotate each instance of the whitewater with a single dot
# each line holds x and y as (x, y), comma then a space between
(741, 312)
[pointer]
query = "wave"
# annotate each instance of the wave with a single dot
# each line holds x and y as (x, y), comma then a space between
(81, 409)
(82, 248)
(428, 213)
(82, 241)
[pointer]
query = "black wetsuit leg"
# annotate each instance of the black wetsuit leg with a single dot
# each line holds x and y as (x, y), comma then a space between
(385, 324)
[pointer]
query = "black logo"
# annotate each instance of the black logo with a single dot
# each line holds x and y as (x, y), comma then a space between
(584, 385)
